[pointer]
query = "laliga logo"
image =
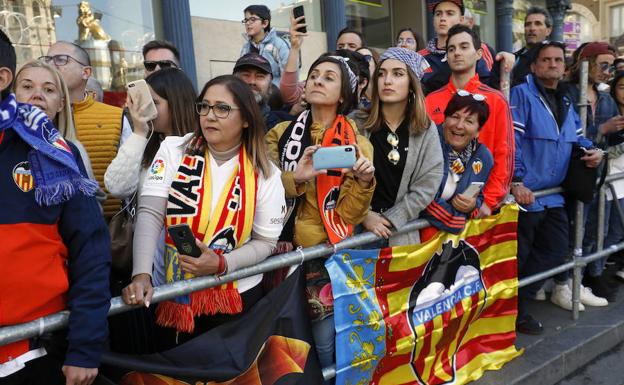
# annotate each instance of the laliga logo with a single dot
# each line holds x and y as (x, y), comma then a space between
(449, 296)
(157, 167)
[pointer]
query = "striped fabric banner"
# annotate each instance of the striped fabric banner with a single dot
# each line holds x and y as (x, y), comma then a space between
(437, 313)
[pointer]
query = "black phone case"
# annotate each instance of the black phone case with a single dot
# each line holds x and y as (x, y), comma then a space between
(184, 240)
(298, 12)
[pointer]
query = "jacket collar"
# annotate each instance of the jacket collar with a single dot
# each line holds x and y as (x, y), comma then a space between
(83, 104)
(472, 86)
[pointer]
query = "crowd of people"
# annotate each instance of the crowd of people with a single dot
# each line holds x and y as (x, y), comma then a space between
(92, 191)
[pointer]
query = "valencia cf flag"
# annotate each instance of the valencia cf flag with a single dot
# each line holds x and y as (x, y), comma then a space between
(270, 345)
(438, 313)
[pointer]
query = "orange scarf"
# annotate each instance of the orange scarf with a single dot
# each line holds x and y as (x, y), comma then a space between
(328, 185)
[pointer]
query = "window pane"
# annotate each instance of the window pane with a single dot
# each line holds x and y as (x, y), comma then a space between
(280, 11)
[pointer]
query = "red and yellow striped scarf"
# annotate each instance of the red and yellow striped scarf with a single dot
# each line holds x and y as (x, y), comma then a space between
(224, 229)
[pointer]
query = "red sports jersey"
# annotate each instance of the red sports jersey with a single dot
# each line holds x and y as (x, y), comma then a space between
(497, 134)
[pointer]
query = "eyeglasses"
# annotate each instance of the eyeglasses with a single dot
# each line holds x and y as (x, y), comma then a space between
(409, 40)
(60, 60)
(368, 58)
(606, 67)
(163, 64)
(476, 97)
(220, 110)
(252, 20)
(394, 155)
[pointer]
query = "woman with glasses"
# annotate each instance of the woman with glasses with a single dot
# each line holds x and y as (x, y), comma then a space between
(602, 116)
(409, 39)
(408, 156)
(466, 163)
(40, 85)
(220, 182)
(327, 204)
(372, 58)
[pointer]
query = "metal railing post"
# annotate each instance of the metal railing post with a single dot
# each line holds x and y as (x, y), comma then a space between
(600, 228)
(505, 81)
(578, 253)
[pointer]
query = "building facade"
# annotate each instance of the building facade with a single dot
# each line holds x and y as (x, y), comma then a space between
(210, 34)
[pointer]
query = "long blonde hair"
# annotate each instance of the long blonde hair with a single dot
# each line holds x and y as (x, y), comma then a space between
(64, 120)
(415, 110)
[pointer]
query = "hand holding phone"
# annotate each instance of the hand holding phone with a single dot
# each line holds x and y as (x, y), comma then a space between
(144, 106)
(335, 157)
(184, 240)
(473, 190)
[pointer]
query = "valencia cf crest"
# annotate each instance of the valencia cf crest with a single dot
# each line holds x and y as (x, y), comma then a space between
(23, 177)
(450, 295)
(224, 240)
(477, 166)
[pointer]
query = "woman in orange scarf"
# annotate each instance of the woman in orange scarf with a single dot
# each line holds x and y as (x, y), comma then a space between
(326, 204)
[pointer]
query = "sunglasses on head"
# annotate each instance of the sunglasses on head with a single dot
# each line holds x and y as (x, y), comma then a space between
(151, 65)
(476, 97)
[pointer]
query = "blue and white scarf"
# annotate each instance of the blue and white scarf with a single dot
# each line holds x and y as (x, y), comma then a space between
(57, 176)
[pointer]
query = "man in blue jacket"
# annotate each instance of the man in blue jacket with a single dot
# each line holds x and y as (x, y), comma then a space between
(55, 246)
(546, 128)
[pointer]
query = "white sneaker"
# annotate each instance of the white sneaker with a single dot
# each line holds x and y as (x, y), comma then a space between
(590, 299)
(540, 295)
(562, 297)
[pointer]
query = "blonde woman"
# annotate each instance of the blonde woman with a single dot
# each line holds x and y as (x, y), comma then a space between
(40, 85)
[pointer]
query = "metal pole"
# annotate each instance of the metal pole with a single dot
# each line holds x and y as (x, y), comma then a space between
(601, 220)
(579, 218)
(504, 25)
(505, 81)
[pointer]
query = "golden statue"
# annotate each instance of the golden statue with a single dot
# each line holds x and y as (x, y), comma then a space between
(88, 25)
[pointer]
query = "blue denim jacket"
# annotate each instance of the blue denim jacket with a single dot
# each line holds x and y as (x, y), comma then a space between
(606, 108)
(273, 48)
(543, 149)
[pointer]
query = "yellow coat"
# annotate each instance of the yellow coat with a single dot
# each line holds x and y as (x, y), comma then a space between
(353, 202)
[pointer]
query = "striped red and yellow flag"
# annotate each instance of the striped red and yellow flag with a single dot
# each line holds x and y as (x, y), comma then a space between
(437, 313)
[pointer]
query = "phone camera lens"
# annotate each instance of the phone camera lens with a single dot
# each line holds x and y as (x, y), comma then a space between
(349, 149)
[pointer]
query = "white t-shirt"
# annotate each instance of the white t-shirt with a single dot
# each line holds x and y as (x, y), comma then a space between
(270, 199)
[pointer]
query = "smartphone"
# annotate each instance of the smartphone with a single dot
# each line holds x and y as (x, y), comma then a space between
(298, 12)
(333, 157)
(141, 96)
(473, 190)
(184, 240)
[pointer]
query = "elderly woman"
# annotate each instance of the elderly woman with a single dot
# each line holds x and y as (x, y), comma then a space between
(466, 163)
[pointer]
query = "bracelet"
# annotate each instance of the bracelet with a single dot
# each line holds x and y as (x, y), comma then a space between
(222, 267)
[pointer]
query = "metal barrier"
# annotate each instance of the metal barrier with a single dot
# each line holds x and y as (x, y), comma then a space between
(59, 320)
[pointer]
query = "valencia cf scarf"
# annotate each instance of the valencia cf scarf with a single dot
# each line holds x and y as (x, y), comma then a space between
(328, 185)
(53, 166)
(293, 141)
(223, 229)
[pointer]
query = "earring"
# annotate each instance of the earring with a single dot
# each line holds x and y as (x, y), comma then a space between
(412, 97)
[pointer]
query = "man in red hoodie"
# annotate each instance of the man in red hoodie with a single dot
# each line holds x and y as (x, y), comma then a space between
(497, 133)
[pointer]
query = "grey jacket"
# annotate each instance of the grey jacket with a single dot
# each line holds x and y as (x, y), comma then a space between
(421, 179)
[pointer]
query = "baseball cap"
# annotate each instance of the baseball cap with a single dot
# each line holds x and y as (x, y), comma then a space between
(253, 60)
(432, 4)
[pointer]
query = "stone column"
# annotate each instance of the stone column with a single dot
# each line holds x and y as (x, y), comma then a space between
(557, 9)
(177, 29)
(504, 25)
(335, 20)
